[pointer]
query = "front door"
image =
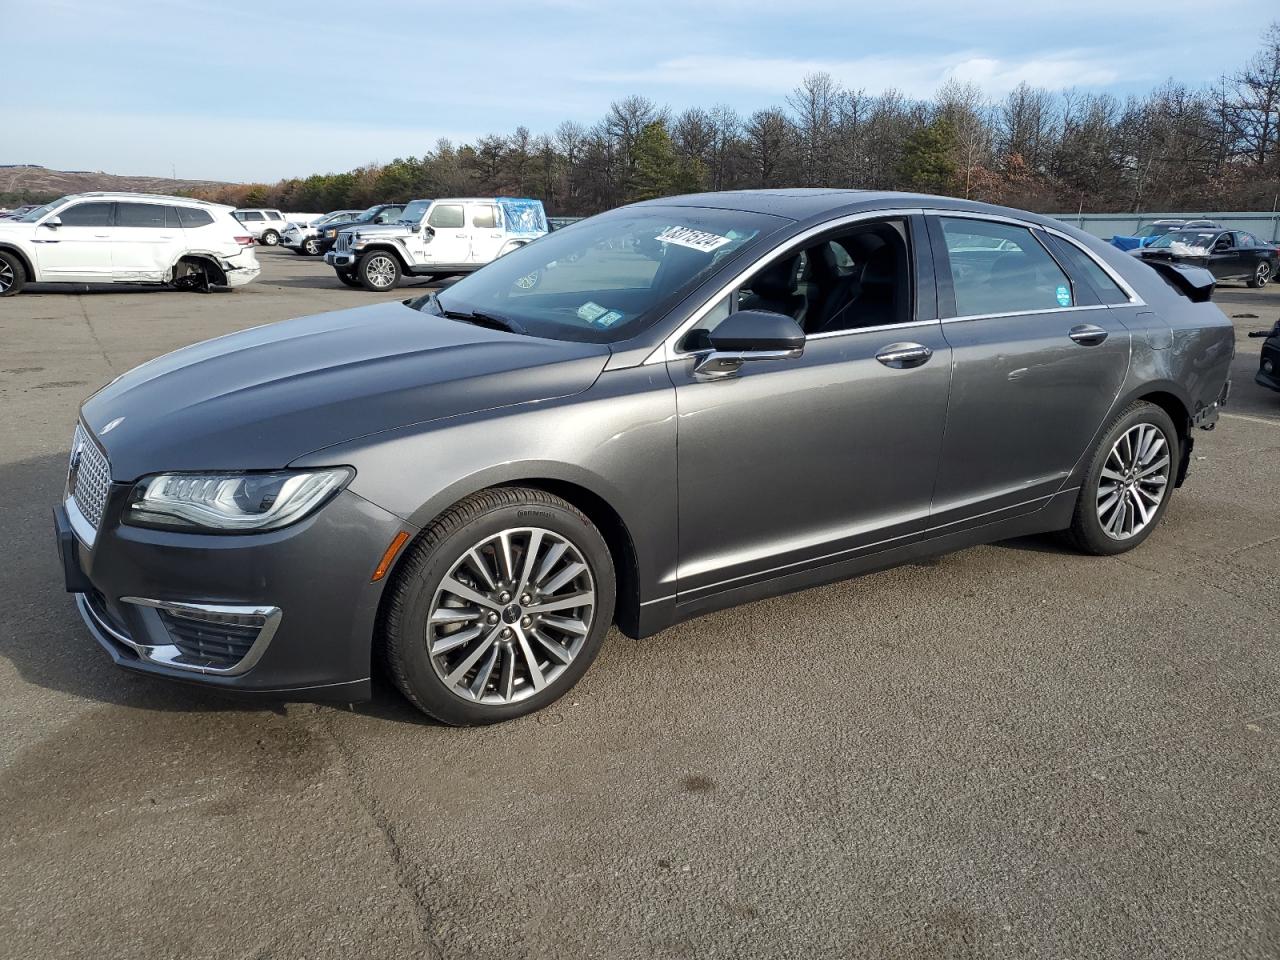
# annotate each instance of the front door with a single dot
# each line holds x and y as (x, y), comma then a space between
(1038, 362)
(1225, 259)
(79, 250)
(451, 242)
(818, 459)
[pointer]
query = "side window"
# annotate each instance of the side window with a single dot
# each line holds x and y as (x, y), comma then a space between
(140, 215)
(87, 215)
(1001, 268)
(253, 216)
(273, 215)
(446, 216)
(1081, 265)
(172, 218)
(194, 217)
(855, 279)
(1225, 241)
(1246, 240)
(485, 217)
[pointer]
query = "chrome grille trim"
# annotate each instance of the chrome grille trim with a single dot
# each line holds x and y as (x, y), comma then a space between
(88, 476)
(343, 243)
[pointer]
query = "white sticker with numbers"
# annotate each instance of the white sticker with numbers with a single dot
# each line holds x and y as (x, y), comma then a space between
(693, 239)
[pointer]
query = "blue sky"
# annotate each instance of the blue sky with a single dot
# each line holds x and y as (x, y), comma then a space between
(233, 90)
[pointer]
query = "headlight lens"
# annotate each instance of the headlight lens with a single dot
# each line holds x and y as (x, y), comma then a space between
(330, 233)
(222, 502)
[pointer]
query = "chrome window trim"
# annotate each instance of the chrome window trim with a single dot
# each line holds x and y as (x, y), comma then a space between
(1126, 289)
(666, 351)
(167, 655)
(1024, 313)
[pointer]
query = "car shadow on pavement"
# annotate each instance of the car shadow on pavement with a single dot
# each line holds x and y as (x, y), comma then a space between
(1037, 543)
(96, 289)
(42, 636)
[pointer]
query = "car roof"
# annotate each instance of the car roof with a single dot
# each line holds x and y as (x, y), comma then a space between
(156, 197)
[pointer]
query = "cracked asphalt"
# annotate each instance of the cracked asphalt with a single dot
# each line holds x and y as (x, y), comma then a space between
(1012, 751)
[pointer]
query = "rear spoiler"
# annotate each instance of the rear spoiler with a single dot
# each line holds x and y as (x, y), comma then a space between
(1194, 283)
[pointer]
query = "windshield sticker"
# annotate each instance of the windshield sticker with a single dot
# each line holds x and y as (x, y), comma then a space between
(608, 319)
(591, 312)
(1064, 296)
(693, 239)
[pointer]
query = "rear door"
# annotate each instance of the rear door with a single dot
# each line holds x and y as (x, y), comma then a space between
(1037, 364)
(80, 249)
(147, 236)
(451, 243)
(487, 231)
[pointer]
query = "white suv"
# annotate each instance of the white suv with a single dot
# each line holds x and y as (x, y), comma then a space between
(265, 225)
(126, 238)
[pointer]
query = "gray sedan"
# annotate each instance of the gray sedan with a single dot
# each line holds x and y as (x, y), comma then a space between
(650, 414)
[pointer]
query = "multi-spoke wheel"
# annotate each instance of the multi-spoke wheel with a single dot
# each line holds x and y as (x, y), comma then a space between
(1261, 275)
(500, 607)
(1129, 482)
(378, 270)
(13, 277)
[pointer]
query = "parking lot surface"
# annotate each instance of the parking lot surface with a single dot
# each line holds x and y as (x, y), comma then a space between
(1009, 751)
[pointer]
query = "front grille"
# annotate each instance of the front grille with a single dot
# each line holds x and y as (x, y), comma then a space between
(204, 642)
(343, 244)
(88, 476)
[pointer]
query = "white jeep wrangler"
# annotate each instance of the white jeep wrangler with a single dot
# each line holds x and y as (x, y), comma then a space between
(435, 238)
(126, 238)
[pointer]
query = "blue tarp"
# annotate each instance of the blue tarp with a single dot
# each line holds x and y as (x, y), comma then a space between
(523, 216)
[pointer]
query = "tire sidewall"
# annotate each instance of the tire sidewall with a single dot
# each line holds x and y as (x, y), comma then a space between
(406, 627)
(310, 248)
(1089, 527)
(270, 238)
(19, 274)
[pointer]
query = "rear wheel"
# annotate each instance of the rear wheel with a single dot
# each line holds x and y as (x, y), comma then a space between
(269, 238)
(1129, 482)
(499, 607)
(378, 271)
(13, 275)
(1261, 275)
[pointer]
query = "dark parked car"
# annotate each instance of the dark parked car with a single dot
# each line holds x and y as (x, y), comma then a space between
(715, 398)
(1269, 362)
(1227, 254)
(327, 236)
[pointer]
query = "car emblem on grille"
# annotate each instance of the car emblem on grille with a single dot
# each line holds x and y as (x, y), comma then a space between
(73, 468)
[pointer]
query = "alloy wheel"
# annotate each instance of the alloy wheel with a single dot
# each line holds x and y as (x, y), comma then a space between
(311, 247)
(1263, 274)
(1134, 481)
(6, 276)
(510, 616)
(381, 272)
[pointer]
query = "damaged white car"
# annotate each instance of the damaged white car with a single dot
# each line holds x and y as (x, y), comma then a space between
(126, 238)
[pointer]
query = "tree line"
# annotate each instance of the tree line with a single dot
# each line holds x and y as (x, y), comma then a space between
(1178, 147)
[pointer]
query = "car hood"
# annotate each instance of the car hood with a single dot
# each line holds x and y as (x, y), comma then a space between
(263, 397)
(379, 229)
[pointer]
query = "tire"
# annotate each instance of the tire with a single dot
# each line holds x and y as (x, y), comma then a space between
(489, 676)
(13, 275)
(1142, 442)
(378, 271)
(310, 247)
(347, 277)
(1261, 275)
(269, 238)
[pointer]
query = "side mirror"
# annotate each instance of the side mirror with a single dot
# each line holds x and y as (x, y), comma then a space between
(749, 335)
(428, 233)
(53, 222)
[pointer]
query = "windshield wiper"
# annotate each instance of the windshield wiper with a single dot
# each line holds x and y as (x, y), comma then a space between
(484, 320)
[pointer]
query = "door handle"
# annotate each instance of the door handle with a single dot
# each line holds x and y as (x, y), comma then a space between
(902, 356)
(1088, 334)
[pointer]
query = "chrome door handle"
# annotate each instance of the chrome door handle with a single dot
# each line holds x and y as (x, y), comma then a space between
(902, 356)
(1088, 334)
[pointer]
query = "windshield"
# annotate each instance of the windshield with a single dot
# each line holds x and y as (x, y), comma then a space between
(609, 277)
(415, 211)
(1193, 239)
(368, 214)
(39, 212)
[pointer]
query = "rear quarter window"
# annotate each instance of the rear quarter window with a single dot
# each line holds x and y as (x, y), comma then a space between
(194, 217)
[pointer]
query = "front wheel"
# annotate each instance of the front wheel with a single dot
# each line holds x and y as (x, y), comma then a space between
(347, 277)
(269, 238)
(311, 247)
(378, 271)
(499, 607)
(13, 276)
(1261, 275)
(1129, 482)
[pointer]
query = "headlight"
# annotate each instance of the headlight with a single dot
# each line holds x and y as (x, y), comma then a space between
(330, 233)
(231, 502)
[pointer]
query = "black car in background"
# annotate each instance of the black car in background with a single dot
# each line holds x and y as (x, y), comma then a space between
(1269, 363)
(379, 213)
(1227, 254)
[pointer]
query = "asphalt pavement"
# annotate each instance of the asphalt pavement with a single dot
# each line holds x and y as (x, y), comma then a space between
(1011, 751)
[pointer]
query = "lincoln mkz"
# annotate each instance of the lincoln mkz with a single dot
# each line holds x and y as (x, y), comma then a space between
(654, 413)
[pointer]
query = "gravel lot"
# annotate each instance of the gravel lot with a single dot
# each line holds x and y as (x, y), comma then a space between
(1010, 751)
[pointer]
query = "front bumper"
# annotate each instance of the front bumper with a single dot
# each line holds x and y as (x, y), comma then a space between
(340, 261)
(299, 600)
